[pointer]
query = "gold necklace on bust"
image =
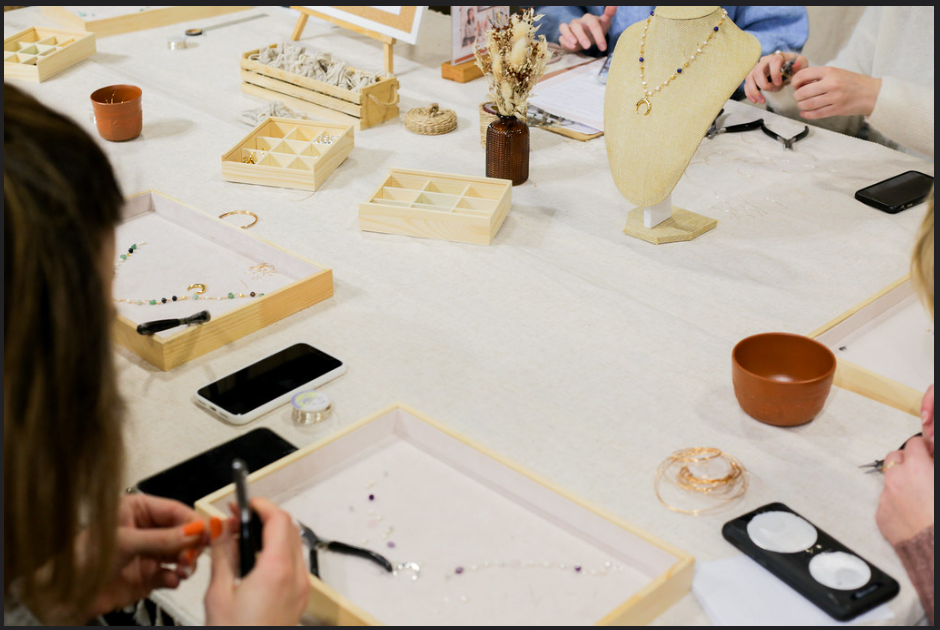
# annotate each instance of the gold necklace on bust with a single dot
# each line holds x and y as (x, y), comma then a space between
(647, 93)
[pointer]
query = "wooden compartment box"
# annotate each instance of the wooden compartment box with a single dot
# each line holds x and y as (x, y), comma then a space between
(884, 347)
(288, 153)
(176, 247)
(494, 544)
(372, 105)
(39, 53)
(114, 20)
(438, 205)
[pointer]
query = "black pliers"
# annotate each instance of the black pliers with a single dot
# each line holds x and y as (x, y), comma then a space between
(315, 543)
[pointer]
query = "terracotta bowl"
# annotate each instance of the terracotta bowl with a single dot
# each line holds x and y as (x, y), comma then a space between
(118, 112)
(781, 378)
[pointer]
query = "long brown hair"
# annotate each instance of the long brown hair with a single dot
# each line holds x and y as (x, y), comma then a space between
(62, 436)
(922, 258)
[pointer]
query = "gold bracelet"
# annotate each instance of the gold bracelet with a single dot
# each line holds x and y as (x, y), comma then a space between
(251, 214)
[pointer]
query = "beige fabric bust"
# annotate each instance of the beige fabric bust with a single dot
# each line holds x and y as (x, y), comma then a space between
(649, 153)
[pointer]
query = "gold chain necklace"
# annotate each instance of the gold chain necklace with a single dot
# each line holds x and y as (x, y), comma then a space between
(647, 93)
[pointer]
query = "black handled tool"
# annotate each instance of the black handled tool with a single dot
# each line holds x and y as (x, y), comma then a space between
(249, 533)
(159, 325)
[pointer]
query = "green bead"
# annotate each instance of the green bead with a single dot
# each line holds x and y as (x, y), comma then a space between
(123, 256)
(134, 246)
(195, 296)
(231, 296)
(260, 294)
(153, 301)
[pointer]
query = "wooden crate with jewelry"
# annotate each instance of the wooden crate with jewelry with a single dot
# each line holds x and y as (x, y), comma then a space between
(320, 84)
(884, 347)
(174, 262)
(39, 53)
(450, 532)
(289, 153)
(437, 205)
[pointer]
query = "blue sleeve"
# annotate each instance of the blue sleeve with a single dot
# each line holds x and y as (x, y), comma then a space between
(777, 28)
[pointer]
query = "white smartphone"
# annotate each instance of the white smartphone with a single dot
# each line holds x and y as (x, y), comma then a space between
(269, 383)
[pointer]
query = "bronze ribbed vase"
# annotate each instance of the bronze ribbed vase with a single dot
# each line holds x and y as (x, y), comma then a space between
(507, 149)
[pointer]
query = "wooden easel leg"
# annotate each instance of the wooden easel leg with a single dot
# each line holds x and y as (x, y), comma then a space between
(389, 58)
(299, 29)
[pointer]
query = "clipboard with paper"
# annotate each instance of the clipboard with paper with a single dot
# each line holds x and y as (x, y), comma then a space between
(570, 101)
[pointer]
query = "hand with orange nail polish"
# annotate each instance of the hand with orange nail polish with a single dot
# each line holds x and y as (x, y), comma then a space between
(152, 533)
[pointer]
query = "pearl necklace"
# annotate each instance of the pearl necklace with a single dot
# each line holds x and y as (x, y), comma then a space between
(647, 93)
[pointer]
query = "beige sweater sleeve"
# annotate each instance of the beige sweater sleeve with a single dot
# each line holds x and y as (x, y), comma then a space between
(917, 556)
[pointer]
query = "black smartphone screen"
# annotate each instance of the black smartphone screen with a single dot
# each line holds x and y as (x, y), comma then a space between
(897, 193)
(268, 379)
(205, 473)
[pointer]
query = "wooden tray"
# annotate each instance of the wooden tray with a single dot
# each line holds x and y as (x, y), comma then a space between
(285, 152)
(438, 205)
(372, 105)
(178, 246)
(106, 21)
(884, 347)
(39, 53)
(444, 502)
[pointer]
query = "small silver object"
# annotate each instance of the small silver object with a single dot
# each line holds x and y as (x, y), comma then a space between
(176, 42)
(408, 566)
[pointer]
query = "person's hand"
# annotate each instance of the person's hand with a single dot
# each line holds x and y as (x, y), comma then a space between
(152, 532)
(906, 505)
(826, 91)
(584, 32)
(769, 66)
(275, 591)
(926, 418)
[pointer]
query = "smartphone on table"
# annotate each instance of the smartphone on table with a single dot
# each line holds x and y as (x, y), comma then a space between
(203, 474)
(897, 193)
(269, 383)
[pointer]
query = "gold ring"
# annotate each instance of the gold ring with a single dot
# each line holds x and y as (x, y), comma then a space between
(889, 465)
(193, 286)
(780, 52)
(251, 214)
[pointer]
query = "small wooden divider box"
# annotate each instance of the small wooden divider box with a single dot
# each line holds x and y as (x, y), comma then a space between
(39, 53)
(289, 153)
(366, 108)
(493, 543)
(105, 21)
(438, 205)
(177, 246)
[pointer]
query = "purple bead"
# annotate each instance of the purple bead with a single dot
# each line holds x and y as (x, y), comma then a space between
(458, 570)
(391, 545)
(716, 29)
(652, 13)
(577, 568)
(372, 497)
(678, 70)
(641, 59)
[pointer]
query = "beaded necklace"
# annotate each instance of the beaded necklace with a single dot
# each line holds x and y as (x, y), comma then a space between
(198, 295)
(647, 93)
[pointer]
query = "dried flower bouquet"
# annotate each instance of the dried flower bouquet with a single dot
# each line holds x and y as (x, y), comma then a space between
(513, 60)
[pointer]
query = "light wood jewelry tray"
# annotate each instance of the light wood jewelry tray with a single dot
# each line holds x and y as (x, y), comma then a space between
(286, 152)
(177, 247)
(438, 205)
(366, 108)
(495, 544)
(116, 20)
(39, 53)
(884, 347)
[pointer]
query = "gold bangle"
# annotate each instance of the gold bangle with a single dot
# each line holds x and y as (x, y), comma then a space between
(251, 214)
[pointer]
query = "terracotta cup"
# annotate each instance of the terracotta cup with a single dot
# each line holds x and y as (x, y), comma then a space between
(781, 378)
(118, 112)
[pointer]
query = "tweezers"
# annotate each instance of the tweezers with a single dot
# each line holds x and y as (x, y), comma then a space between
(879, 464)
(315, 543)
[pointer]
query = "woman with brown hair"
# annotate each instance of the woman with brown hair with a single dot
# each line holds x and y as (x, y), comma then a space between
(905, 510)
(74, 548)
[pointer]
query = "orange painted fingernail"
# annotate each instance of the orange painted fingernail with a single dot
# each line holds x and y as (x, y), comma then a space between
(194, 528)
(190, 556)
(215, 526)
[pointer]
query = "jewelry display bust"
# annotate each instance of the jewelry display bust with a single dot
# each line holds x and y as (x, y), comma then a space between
(652, 130)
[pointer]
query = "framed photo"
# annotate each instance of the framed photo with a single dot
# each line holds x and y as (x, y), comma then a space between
(468, 26)
(402, 23)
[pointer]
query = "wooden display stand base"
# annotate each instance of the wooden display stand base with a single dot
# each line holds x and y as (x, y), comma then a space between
(683, 225)
(461, 72)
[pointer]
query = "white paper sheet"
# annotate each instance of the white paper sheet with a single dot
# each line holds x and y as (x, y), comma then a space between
(576, 95)
(739, 592)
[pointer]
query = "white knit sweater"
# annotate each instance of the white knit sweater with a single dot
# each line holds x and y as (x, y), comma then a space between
(894, 44)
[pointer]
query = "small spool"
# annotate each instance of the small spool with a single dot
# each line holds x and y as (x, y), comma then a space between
(192, 32)
(310, 407)
(176, 42)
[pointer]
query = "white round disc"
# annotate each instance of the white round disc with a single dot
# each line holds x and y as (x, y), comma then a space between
(783, 532)
(840, 570)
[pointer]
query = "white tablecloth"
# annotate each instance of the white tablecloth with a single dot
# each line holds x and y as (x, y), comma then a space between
(585, 355)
